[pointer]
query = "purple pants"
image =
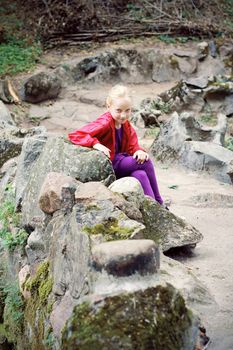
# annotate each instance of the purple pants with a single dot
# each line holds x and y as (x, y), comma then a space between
(144, 173)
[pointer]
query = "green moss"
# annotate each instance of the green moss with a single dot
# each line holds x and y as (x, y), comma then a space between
(45, 289)
(158, 221)
(156, 318)
(42, 273)
(92, 207)
(50, 307)
(110, 229)
(174, 62)
(39, 305)
(151, 220)
(224, 85)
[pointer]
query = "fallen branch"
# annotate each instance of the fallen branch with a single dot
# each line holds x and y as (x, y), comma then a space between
(12, 92)
(8, 93)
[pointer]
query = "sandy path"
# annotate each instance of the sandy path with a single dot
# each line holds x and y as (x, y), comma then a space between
(212, 260)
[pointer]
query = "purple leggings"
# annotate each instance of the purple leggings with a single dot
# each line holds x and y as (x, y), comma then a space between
(144, 173)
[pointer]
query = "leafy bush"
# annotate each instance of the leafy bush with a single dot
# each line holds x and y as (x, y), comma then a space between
(14, 301)
(164, 107)
(16, 56)
(229, 143)
(13, 315)
(11, 233)
(18, 49)
(167, 39)
(208, 119)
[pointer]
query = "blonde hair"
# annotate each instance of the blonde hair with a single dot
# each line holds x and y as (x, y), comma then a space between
(116, 92)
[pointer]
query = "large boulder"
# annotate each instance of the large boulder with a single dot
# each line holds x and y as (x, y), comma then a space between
(210, 157)
(195, 146)
(5, 117)
(7, 175)
(162, 226)
(51, 193)
(118, 64)
(139, 66)
(11, 141)
(41, 87)
(129, 187)
(91, 191)
(165, 228)
(31, 149)
(82, 264)
(58, 155)
(156, 318)
(124, 258)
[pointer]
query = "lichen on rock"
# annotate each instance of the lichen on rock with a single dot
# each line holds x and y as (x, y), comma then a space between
(38, 306)
(155, 318)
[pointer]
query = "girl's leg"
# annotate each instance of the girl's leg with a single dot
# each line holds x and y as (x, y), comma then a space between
(149, 169)
(142, 177)
(128, 165)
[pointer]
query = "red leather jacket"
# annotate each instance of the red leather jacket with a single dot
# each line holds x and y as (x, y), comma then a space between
(102, 130)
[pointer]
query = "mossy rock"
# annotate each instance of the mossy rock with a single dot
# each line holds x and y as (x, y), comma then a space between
(165, 228)
(156, 318)
(110, 229)
(38, 307)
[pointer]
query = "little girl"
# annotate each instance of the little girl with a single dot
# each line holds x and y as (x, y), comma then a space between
(113, 135)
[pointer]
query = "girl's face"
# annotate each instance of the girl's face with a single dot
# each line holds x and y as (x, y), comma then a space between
(120, 110)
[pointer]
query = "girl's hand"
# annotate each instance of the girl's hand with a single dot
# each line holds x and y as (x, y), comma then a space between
(141, 156)
(103, 149)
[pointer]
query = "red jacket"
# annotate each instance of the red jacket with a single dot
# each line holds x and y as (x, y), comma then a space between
(102, 130)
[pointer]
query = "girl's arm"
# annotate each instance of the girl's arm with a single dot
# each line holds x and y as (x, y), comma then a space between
(133, 144)
(87, 136)
(135, 149)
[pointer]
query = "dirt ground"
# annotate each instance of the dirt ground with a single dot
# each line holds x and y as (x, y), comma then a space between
(208, 205)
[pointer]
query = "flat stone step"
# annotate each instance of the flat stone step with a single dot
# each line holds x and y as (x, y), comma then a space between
(126, 257)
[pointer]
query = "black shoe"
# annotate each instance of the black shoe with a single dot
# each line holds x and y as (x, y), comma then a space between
(164, 206)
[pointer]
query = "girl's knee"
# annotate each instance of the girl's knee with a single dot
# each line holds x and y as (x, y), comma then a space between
(148, 165)
(139, 174)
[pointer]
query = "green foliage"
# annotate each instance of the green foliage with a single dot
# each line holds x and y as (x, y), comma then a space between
(135, 11)
(229, 143)
(167, 39)
(152, 132)
(11, 242)
(18, 51)
(11, 233)
(14, 302)
(13, 315)
(49, 339)
(17, 56)
(173, 40)
(164, 107)
(208, 118)
(229, 7)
